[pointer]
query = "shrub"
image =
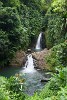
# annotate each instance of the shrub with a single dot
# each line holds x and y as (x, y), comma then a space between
(4, 93)
(57, 56)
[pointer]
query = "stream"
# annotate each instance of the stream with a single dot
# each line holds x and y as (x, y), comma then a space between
(31, 75)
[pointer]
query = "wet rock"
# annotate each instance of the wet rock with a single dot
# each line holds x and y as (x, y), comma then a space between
(45, 80)
(35, 63)
(40, 59)
(29, 51)
(38, 69)
(35, 67)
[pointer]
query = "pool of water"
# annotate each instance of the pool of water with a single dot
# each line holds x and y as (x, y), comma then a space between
(33, 79)
(9, 71)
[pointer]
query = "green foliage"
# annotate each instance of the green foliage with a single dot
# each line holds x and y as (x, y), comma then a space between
(9, 19)
(57, 56)
(10, 89)
(14, 85)
(21, 23)
(32, 21)
(10, 24)
(33, 4)
(60, 6)
(56, 25)
(15, 82)
(45, 5)
(11, 3)
(4, 93)
(1, 4)
(54, 33)
(56, 88)
(62, 94)
(24, 39)
(4, 42)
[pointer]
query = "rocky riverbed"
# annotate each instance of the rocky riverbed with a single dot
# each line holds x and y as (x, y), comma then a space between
(39, 59)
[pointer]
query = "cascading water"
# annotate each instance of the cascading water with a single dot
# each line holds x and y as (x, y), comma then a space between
(30, 74)
(38, 45)
(29, 65)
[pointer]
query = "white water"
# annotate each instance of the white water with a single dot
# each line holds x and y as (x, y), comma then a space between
(29, 65)
(38, 45)
(30, 74)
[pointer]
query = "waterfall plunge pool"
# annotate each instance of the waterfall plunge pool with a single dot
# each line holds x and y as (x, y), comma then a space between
(32, 79)
(32, 76)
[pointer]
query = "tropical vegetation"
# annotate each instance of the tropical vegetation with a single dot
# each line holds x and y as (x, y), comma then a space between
(20, 23)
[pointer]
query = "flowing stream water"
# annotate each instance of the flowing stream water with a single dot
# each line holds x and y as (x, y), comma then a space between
(32, 76)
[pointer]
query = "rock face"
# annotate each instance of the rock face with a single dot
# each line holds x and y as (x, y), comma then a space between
(40, 57)
(19, 59)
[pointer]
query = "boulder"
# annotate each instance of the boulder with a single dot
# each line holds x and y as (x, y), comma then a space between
(19, 59)
(40, 59)
(45, 80)
(29, 51)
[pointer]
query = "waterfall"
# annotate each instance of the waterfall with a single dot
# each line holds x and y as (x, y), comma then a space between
(29, 65)
(38, 45)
